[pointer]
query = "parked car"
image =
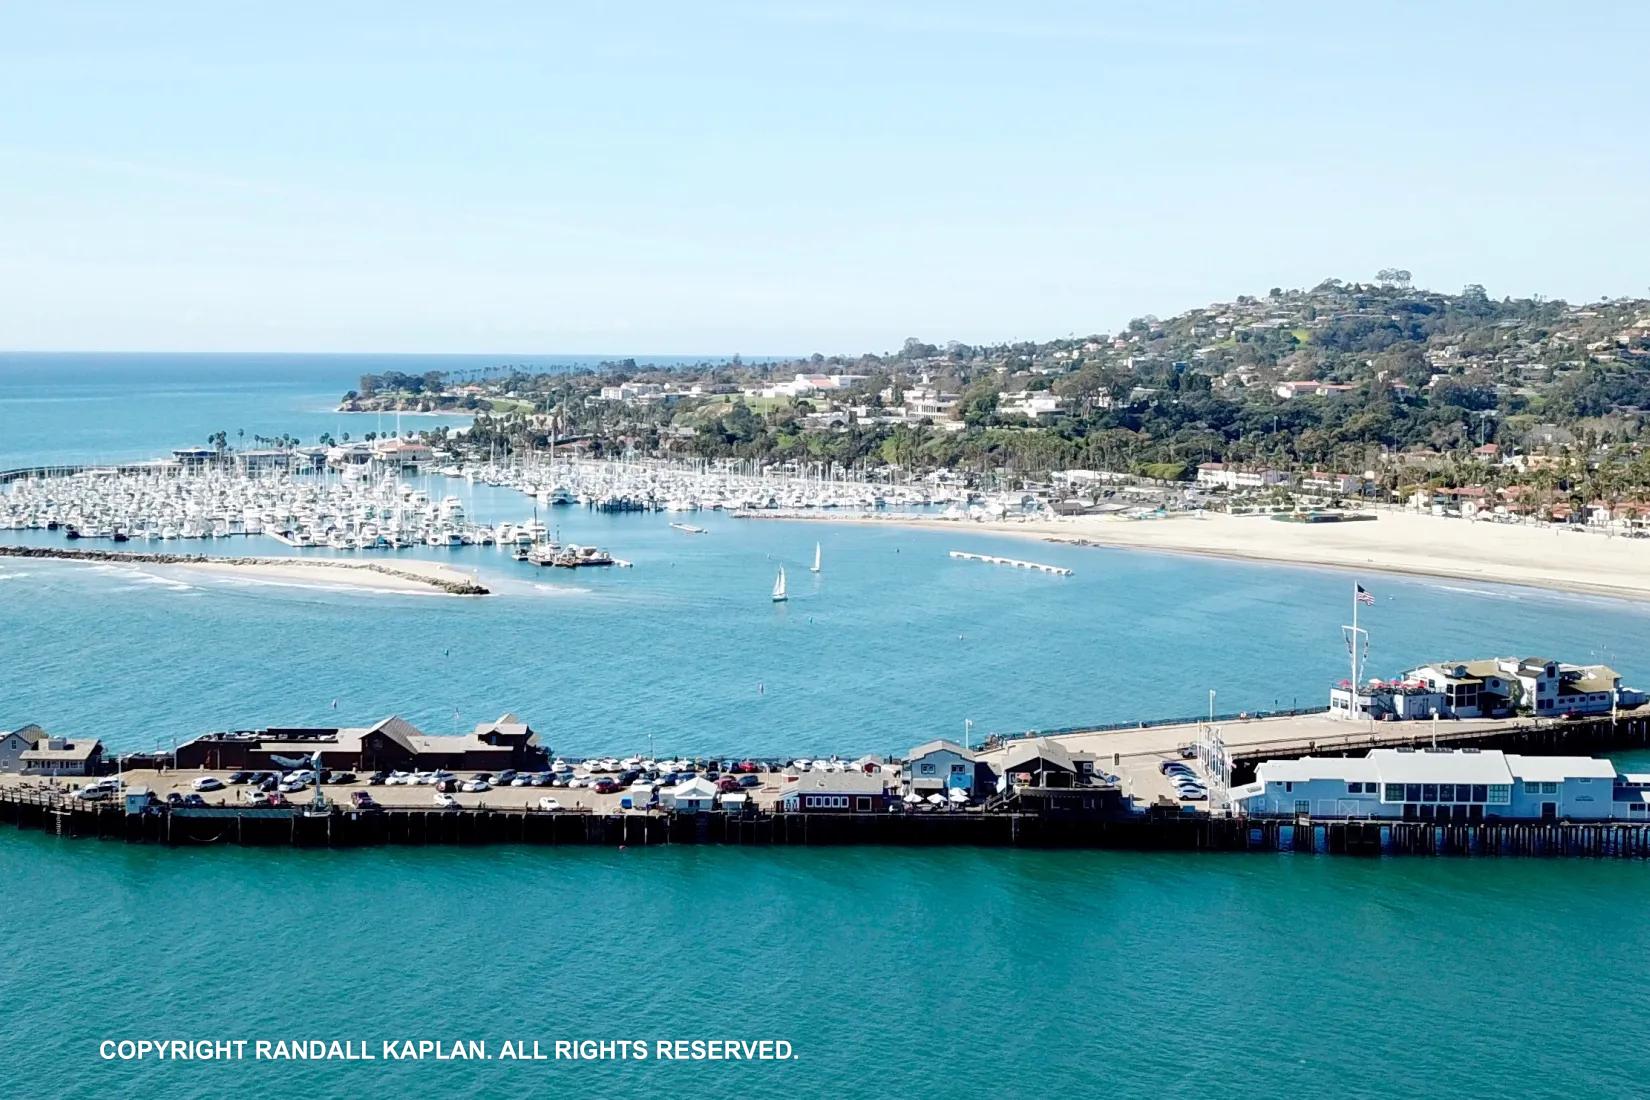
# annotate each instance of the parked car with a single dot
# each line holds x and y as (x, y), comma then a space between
(605, 785)
(727, 784)
(342, 777)
(548, 803)
(506, 775)
(362, 800)
(207, 783)
(541, 779)
(377, 778)
(749, 780)
(193, 800)
(239, 777)
(475, 786)
(445, 801)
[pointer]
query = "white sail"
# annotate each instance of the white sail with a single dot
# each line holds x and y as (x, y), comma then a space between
(816, 557)
(779, 586)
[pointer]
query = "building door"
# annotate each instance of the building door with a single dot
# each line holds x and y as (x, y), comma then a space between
(1549, 811)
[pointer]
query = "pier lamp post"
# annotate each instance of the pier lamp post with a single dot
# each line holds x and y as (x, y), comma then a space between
(968, 732)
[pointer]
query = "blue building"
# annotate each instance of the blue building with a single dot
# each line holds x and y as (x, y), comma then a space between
(938, 765)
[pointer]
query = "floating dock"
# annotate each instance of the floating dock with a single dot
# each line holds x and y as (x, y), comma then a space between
(991, 559)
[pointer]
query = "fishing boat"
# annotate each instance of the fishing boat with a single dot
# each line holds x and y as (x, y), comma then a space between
(779, 587)
(815, 567)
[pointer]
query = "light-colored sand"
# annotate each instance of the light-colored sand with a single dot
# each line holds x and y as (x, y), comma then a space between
(1396, 542)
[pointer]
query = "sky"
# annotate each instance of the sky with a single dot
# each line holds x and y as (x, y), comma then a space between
(788, 177)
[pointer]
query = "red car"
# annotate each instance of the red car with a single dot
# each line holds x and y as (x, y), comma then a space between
(728, 783)
(605, 786)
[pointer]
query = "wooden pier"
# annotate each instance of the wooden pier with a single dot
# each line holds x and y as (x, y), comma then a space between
(1180, 832)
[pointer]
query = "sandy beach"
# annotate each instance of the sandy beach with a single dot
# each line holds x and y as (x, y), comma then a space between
(1396, 542)
(423, 577)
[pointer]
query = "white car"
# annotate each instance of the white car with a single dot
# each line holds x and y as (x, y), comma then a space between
(549, 804)
(475, 786)
(445, 801)
(207, 783)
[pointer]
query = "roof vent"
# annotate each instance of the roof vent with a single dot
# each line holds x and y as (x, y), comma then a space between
(1406, 748)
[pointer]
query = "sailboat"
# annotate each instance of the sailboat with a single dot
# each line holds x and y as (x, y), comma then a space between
(815, 567)
(779, 587)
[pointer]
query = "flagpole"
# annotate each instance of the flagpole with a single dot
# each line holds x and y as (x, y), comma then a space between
(1354, 645)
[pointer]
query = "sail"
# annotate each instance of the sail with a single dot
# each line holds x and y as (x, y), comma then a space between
(779, 585)
(816, 557)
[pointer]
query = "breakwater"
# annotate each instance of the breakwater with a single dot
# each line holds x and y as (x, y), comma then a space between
(1179, 832)
(120, 557)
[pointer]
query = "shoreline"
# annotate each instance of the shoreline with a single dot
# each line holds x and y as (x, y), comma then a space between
(406, 576)
(1405, 544)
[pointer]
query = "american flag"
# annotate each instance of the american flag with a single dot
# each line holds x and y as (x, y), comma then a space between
(1364, 596)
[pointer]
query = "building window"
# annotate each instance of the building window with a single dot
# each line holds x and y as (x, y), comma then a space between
(927, 769)
(1412, 792)
(1446, 792)
(1394, 793)
(959, 769)
(1480, 792)
(1429, 792)
(864, 803)
(1500, 794)
(1303, 807)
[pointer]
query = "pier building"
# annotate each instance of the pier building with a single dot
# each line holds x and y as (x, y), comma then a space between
(1488, 688)
(14, 744)
(61, 756)
(1443, 785)
(393, 743)
(837, 792)
(941, 765)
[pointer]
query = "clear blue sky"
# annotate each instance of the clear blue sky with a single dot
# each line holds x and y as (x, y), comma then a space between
(778, 176)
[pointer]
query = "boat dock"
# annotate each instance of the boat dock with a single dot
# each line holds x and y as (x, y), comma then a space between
(992, 559)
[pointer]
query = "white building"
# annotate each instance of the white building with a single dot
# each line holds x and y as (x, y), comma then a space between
(1219, 475)
(1033, 404)
(1442, 785)
(696, 796)
(1489, 688)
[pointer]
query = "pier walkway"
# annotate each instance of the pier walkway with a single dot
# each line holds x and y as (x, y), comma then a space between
(1134, 753)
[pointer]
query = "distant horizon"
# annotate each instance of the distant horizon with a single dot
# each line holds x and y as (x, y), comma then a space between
(939, 339)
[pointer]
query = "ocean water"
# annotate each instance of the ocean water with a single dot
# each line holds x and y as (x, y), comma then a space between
(955, 973)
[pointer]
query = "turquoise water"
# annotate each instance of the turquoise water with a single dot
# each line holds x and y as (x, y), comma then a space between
(892, 972)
